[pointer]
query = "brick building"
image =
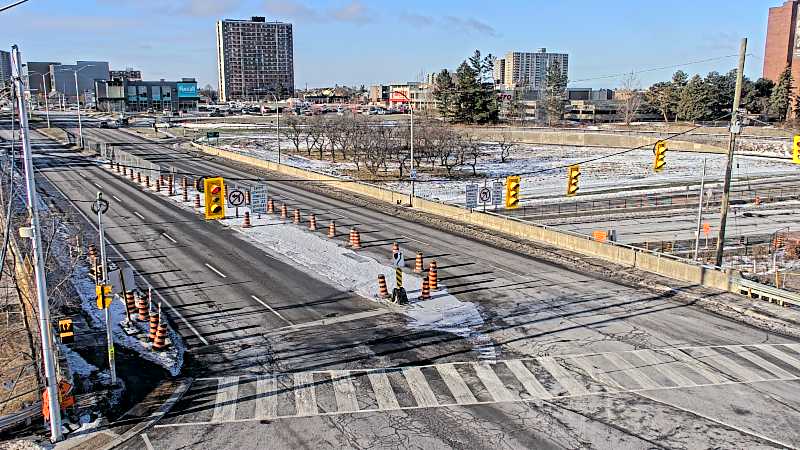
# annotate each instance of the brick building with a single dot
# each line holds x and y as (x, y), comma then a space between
(783, 42)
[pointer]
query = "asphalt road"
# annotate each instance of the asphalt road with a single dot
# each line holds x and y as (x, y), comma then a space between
(580, 361)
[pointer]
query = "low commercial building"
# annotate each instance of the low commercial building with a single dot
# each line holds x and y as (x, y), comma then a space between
(62, 78)
(141, 96)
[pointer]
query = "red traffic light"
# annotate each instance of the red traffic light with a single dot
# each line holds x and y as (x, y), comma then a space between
(216, 189)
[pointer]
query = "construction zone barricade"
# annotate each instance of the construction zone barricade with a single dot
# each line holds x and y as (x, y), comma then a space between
(383, 290)
(418, 264)
(332, 229)
(312, 222)
(433, 277)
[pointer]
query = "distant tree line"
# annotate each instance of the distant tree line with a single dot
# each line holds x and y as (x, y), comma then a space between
(711, 97)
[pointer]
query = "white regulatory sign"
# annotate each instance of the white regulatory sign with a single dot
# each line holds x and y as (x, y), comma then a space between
(258, 199)
(497, 193)
(472, 196)
(484, 195)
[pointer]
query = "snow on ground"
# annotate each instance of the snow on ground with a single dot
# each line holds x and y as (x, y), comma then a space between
(334, 264)
(544, 177)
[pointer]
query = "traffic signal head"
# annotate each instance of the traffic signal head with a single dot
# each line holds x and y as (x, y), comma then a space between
(103, 292)
(215, 198)
(796, 149)
(660, 154)
(573, 172)
(512, 192)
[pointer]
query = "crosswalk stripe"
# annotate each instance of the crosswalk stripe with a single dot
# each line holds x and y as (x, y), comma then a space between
(493, 383)
(564, 379)
(763, 363)
(595, 373)
(305, 396)
(641, 378)
(665, 367)
(420, 389)
(784, 357)
(695, 365)
(456, 384)
(384, 393)
(266, 398)
(531, 384)
(225, 403)
(732, 368)
(344, 391)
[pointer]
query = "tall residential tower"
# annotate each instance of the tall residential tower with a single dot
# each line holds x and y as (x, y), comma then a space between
(255, 59)
(530, 69)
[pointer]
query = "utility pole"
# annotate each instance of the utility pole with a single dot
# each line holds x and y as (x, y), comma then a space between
(699, 212)
(38, 257)
(734, 130)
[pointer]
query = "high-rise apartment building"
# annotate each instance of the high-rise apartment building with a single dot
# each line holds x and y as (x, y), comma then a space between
(255, 59)
(5, 68)
(783, 42)
(499, 71)
(62, 78)
(530, 69)
(35, 70)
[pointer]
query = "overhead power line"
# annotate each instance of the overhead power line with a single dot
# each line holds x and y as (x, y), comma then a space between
(655, 69)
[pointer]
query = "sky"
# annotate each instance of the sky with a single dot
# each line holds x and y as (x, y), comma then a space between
(354, 42)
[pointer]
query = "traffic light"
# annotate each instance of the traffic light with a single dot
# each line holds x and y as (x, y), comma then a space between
(573, 172)
(512, 192)
(660, 152)
(103, 292)
(214, 190)
(796, 149)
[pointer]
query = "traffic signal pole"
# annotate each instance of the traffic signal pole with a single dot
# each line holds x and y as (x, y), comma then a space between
(37, 255)
(734, 130)
(107, 310)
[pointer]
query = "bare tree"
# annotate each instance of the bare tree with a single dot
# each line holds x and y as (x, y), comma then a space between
(505, 143)
(473, 150)
(294, 130)
(629, 97)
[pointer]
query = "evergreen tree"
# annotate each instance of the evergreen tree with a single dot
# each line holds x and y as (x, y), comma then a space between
(444, 93)
(780, 100)
(659, 96)
(693, 104)
(720, 90)
(468, 93)
(555, 92)
(678, 84)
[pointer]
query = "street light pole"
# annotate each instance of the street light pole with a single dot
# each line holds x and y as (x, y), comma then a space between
(78, 101)
(38, 256)
(44, 92)
(277, 126)
(413, 175)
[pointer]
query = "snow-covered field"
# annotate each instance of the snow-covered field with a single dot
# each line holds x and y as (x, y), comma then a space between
(542, 169)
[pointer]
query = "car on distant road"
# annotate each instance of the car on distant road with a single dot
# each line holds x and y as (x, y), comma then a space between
(108, 124)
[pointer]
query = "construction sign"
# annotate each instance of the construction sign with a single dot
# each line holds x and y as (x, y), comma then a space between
(599, 235)
(65, 331)
(65, 398)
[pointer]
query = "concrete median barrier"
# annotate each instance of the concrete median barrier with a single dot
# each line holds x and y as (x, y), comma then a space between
(657, 263)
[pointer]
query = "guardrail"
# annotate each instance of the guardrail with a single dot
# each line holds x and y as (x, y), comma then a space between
(24, 415)
(772, 294)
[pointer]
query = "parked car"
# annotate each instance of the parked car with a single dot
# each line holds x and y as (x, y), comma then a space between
(107, 124)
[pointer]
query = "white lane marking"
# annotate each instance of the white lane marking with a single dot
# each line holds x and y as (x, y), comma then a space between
(516, 274)
(119, 254)
(215, 270)
(596, 373)
(665, 368)
(305, 397)
(146, 440)
(263, 303)
(339, 319)
(98, 186)
(560, 374)
(528, 380)
(493, 383)
(344, 391)
(420, 389)
(638, 376)
(169, 237)
(416, 240)
(763, 363)
(384, 393)
(225, 403)
(456, 384)
(138, 215)
(693, 364)
(266, 398)
(116, 198)
(731, 367)
(784, 357)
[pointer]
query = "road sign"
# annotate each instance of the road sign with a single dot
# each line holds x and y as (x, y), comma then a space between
(472, 196)
(65, 331)
(497, 193)
(485, 195)
(236, 197)
(117, 283)
(212, 134)
(398, 260)
(413, 174)
(100, 205)
(599, 235)
(706, 228)
(258, 198)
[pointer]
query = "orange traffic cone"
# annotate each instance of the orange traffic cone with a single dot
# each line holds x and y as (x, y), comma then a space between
(141, 307)
(433, 276)
(383, 291)
(139, 177)
(425, 294)
(160, 342)
(332, 229)
(312, 222)
(418, 266)
(246, 223)
(270, 206)
(153, 326)
(158, 184)
(296, 218)
(395, 249)
(197, 201)
(284, 211)
(355, 239)
(147, 181)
